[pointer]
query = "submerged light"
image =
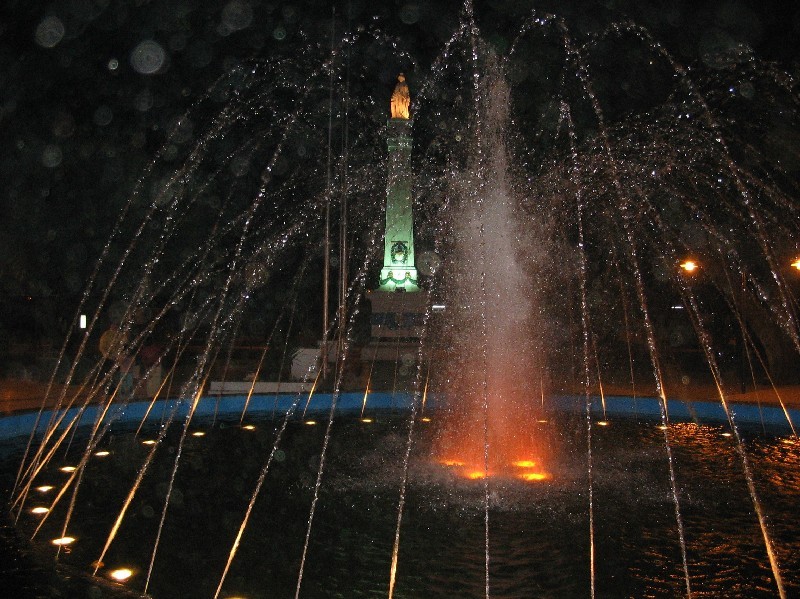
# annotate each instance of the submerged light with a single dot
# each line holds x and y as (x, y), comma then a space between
(62, 541)
(534, 476)
(121, 574)
(689, 266)
(524, 464)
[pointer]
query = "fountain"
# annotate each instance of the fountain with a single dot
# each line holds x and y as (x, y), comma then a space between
(551, 228)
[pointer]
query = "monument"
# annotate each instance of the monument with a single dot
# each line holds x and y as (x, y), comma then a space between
(398, 307)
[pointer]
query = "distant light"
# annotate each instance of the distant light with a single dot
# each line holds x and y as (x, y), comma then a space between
(689, 266)
(249, 427)
(677, 307)
(82, 323)
(40, 510)
(67, 469)
(310, 422)
(102, 454)
(149, 442)
(199, 434)
(438, 308)
(425, 419)
(121, 575)
(61, 541)
(661, 427)
(476, 475)
(366, 420)
(44, 488)
(542, 421)
(796, 264)
(113, 64)
(452, 463)
(726, 434)
(603, 423)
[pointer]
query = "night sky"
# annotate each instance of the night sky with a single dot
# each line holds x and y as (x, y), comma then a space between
(90, 88)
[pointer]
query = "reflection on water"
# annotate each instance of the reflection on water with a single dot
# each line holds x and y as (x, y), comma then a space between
(538, 532)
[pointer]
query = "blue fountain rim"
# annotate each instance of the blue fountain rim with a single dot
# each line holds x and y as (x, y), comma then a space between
(229, 406)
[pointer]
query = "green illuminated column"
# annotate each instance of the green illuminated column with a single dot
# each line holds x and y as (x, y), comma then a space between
(398, 272)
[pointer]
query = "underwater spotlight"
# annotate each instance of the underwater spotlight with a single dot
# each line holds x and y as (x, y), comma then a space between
(63, 541)
(121, 574)
(689, 266)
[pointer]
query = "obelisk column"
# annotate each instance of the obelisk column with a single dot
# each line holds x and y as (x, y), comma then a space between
(398, 272)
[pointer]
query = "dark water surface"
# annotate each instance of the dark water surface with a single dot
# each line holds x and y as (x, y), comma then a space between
(539, 532)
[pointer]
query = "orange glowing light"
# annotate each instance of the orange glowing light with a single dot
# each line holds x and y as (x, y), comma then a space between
(534, 476)
(661, 427)
(121, 575)
(452, 463)
(366, 420)
(149, 442)
(102, 454)
(67, 469)
(310, 422)
(44, 488)
(62, 541)
(602, 423)
(249, 427)
(796, 264)
(425, 419)
(524, 464)
(726, 434)
(689, 266)
(198, 434)
(40, 510)
(476, 474)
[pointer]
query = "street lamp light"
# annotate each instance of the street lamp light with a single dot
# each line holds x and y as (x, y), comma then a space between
(689, 266)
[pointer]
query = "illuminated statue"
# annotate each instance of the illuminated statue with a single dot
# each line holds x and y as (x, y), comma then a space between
(401, 99)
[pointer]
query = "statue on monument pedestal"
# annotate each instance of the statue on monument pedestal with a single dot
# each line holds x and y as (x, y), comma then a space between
(401, 99)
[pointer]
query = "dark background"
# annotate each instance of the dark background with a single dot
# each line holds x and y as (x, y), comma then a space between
(85, 107)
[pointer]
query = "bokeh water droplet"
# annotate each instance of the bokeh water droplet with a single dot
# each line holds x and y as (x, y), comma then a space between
(52, 156)
(148, 57)
(49, 32)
